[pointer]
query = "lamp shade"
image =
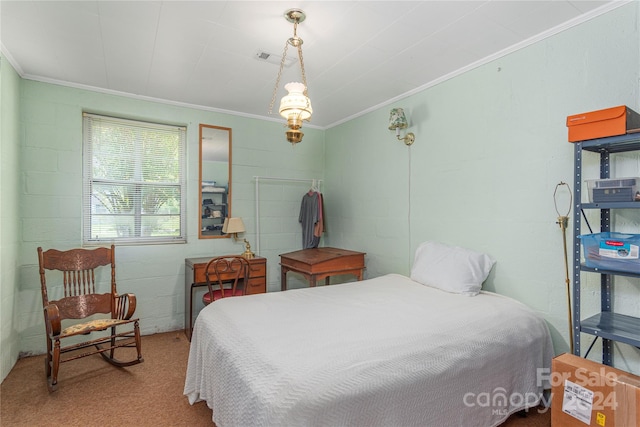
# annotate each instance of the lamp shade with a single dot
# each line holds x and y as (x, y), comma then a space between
(397, 119)
(296, 105)
(233, 225)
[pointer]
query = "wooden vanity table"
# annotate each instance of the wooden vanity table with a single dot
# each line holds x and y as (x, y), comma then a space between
(194, 277)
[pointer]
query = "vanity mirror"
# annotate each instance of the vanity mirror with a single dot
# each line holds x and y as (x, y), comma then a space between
(215, 180)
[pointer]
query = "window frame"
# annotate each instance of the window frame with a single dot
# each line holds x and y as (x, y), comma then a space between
(89, 182)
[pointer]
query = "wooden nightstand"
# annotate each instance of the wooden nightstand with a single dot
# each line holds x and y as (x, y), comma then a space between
(194, 277)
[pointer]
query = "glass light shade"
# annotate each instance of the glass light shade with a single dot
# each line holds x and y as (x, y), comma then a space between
(233, 225)
(295, 105)
(397, 119)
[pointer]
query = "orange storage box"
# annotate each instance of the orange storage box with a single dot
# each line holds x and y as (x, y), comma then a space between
(601, 123)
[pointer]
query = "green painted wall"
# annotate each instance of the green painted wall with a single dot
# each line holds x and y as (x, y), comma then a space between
(9, 215)
(491, 146)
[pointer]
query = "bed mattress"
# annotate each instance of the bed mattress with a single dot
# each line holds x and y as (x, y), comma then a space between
(386, 351)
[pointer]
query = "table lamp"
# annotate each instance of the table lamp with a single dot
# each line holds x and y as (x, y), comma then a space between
(234, 226)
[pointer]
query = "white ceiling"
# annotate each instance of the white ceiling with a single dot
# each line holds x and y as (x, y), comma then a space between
(358, 55)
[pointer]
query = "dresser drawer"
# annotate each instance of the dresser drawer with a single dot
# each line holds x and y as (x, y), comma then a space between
(258, 270)
(257, 286)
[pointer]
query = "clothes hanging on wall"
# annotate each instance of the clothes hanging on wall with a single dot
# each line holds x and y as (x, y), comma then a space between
(319, 227)
(311, 219)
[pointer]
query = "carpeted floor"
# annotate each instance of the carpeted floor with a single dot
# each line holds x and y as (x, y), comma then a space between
(93, 393)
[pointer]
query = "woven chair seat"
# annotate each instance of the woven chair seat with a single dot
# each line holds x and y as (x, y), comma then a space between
(94, 325)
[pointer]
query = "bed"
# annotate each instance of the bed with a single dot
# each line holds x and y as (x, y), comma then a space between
(387, 351)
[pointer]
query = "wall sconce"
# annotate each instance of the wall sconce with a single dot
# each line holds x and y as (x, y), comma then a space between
(397, 121)
(234, 226)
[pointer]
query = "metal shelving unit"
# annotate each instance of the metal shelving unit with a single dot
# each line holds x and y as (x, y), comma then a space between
(607, 324)
(218, 202)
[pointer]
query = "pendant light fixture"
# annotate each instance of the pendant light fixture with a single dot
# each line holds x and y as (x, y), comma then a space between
(296, 105)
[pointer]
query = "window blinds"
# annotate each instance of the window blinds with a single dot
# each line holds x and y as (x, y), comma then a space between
(133, 181)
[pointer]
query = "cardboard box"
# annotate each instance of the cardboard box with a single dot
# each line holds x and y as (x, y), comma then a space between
(602, 123)
(587, 393)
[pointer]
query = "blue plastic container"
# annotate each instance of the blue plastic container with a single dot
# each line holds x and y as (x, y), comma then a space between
(612, 251)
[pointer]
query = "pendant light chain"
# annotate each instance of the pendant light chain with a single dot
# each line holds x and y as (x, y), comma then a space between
(304, 77)
(275, 88)
(297, 42)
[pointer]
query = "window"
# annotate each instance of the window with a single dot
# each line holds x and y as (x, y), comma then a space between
(133, 181)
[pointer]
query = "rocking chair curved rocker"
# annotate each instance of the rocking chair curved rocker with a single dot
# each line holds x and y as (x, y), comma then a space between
(79, 300)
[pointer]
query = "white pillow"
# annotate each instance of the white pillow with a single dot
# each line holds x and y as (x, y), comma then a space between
(450, 268)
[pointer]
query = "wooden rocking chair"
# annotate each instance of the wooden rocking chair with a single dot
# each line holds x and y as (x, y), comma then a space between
(80, 301)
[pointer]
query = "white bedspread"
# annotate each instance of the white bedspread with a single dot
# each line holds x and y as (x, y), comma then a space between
(382, 352)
